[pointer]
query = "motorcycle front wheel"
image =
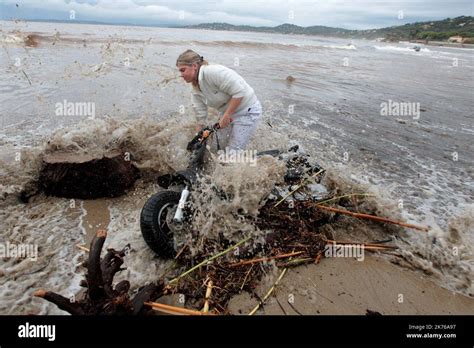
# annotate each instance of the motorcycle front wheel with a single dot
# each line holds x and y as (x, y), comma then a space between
(154, 222)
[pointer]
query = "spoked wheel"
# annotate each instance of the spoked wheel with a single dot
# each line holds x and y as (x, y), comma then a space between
(157, 226)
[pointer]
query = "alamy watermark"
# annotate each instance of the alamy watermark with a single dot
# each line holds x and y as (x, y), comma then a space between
(21, 251)
(237, 156)
(393, 108)
(75, 109)
(37, 331)
(346, 250)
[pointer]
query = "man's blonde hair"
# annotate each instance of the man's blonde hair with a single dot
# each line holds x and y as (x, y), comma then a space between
(189, 57)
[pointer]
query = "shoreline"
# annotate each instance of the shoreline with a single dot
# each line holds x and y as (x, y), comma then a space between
(443, 44)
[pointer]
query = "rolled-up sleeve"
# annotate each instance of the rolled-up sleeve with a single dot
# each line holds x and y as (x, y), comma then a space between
(228, 81)
(200, 108)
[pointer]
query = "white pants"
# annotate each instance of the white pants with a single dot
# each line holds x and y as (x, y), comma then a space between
(240, 131)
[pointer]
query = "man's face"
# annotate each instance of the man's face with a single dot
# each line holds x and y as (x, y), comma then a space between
(188, 72)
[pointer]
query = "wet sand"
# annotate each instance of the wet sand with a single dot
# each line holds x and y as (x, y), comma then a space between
(346, 286)
(97, 217)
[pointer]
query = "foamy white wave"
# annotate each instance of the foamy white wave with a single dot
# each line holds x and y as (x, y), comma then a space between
(248, 186)
(400, 49)
(463, 49)
(124, 228)
(342, 47)
(153, 145)
(12, 39)
(51, 225)
(446, 253)
(468, 130)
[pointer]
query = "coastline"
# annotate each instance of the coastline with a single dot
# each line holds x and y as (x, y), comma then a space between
(443, 44)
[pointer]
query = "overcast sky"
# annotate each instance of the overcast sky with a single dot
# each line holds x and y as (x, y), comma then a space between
(350, 14)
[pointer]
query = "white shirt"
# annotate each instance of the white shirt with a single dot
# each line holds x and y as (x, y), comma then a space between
(218, 84)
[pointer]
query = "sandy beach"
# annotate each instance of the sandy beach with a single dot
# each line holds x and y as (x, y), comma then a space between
(341, 286)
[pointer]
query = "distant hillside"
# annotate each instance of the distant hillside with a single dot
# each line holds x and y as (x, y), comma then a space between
(433, 30)
(282, 29)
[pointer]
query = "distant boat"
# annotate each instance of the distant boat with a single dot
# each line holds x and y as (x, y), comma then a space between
(417, 48)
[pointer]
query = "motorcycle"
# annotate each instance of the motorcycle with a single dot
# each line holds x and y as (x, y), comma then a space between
(165, 217)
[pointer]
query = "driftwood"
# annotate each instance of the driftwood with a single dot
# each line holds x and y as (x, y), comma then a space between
(373, 217)
(87, 177)
(101, 296)
(174, 310)
(265, 259)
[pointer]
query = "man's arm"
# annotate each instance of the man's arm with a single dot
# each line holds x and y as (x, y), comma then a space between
(228, 81)
(227, 117)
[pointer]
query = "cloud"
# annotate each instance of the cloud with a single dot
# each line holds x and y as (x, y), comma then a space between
(356, 14)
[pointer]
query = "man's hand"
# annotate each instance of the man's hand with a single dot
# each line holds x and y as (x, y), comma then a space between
(225, 121)
(233, 105)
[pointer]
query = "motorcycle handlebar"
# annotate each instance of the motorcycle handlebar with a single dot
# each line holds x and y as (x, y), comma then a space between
(203, 134)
